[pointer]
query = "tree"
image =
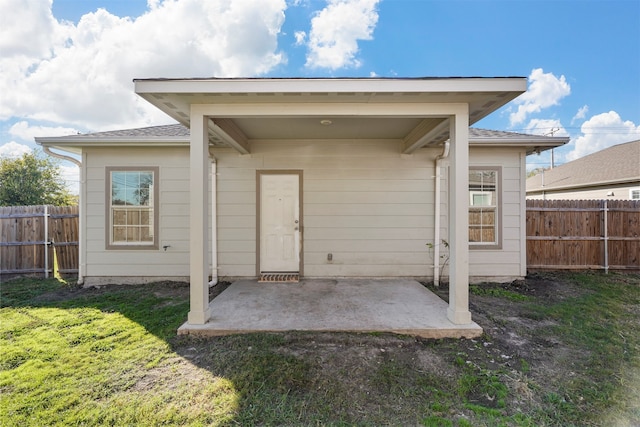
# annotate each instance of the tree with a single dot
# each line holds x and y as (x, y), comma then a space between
(32, 179)
(534, 172)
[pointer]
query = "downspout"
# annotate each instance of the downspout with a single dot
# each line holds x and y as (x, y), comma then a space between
(82, 213)
(214, 221)
(436, 213)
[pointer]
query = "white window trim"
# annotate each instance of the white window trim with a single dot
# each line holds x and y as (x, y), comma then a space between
(631, 191)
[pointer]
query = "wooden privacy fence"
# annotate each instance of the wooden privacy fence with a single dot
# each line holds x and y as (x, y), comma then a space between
(583, 234)
(37, 239)
(561, 234)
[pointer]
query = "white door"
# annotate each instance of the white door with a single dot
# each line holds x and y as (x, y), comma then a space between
(279, 223)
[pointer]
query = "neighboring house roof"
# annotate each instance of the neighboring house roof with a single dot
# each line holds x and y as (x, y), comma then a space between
(614, 165)
(177, 134)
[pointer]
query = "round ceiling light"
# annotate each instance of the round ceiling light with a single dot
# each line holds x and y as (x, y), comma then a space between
(325, 122)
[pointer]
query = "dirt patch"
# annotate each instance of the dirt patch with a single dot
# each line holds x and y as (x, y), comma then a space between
(168, 290)
(71, 291)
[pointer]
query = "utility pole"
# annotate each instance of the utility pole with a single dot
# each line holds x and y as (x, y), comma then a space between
(551, 133)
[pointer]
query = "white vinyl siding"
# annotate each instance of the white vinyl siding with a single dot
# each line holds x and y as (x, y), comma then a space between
(508, 262)
(624, 191)
(172, 206)
(363, 202)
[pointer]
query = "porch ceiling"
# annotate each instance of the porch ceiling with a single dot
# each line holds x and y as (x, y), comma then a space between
(176, 96)
(328, 127)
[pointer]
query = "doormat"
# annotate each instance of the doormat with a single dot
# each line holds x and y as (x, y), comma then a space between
(279, 277)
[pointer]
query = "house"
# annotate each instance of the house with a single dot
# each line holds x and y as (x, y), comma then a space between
(310, 178)
(610, 174)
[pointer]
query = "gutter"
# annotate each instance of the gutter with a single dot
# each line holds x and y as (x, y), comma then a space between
(134, 141)
(62, 156)
(436, 212)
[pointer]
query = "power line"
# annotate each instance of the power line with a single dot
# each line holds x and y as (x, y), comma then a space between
(600, 130)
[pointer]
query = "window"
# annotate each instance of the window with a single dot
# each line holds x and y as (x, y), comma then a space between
(634, 194)
(484, 207)
(132, 208)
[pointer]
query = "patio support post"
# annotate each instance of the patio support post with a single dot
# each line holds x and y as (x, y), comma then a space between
(199, 312)
(458, 311)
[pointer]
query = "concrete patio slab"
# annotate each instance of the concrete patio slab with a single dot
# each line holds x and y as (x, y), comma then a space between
(397, 305)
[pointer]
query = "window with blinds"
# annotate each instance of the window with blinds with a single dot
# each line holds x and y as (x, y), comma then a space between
(132, 208)
(484, 203)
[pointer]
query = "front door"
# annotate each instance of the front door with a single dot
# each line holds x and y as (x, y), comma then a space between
(280, 237)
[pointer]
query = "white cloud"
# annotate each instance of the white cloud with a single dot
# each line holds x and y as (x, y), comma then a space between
(300, 37)
(27, 132)
(13, 149)
(546, 127)
(545, 90)
(70, 173)
(602, 131)
(335, 31)
(28, 28)
(82, 74)
(153, 4)
(581, 114)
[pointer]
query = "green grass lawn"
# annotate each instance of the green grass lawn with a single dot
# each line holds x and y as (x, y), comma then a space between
(110, 356)
(86, 360)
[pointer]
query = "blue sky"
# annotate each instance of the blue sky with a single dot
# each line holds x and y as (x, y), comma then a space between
(67, 66)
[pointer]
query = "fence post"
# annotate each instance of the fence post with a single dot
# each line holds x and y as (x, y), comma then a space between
(606, 238)
(46, 241)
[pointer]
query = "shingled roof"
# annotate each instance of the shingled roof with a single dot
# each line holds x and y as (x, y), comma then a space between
(175, 130)
(478, 133)
(178, 132)
(617, 164)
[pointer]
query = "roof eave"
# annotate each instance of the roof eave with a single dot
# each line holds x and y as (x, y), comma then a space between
(128, 141)
(330, 85)
(533, 145)
(175, 96)
(146, 141)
